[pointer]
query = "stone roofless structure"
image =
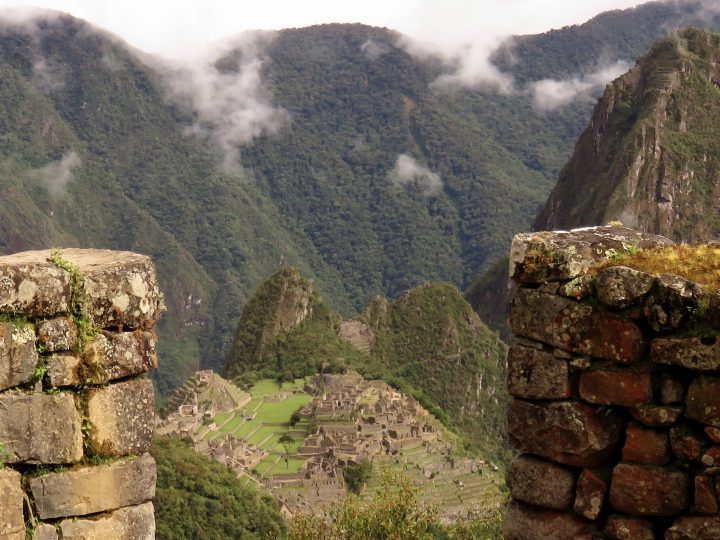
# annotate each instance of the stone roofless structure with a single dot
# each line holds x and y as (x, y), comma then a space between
(76, 417)
(616, 394)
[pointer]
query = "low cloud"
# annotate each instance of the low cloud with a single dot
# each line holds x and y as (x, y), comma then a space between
(373, 49)
(408, 172)
(48, 76)
(231, 105)
(551, 94)
(55, 176)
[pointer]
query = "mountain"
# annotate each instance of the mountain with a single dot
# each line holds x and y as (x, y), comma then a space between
(377, 180)
(429, 343)
(651, 154)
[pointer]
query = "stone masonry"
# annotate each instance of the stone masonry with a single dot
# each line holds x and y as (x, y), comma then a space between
(76, 415)
(615, 380)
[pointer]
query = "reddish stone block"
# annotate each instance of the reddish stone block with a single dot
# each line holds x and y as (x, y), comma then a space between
(523, 522)
(590, 494)
(644, 491)
(654, 416)
(646, 446)
(694, 528)
(623, 388)
(711, 457)
(686, 444)
(570, 433)
(535, 374)
(706, 501)
(619, 527)
(702, 403)
(713, 434)
(541, 483)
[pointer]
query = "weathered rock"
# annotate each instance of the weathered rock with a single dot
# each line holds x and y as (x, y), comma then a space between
(122, 417)
(697, 353)
(12, 520)
(561, 255)
(40, 428)
(711, 457)
(45, 532)
(669, 305)
(30, 284)
(115, 355)
(64, 369)
(91, 490)
(541, 483)
(713, 434)
(672, 391)
(620, 287)
(656, 416)
(571, 433)
(579, 288)
(130, 523)
(18, 355)
(624, 388)
(702, 403)
(58, 334)
(619, 527)
(686, 444)
(644, 491)
(575, 327)
(535, 374)
(706, 501)
(694, 528)
(523, 522)
(646, 446)
(590, 494)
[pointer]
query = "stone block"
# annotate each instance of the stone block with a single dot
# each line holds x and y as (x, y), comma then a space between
(694, 528)
(115, 355)
(686, 443)
(122, 418)
(711, 457)
(696, 353)
(45, 532)
(702, 403)
(535, 374)
(644, 445)
(64, 369)
(706, 501)
(563, 255)
(40, 428)
(670, 303)
(619, 527)
(620, 287)
(541, 483)
(523, 522)
(590, 494)
(713, 434)
(130, 523)
(643, 491)
(625, 388)
(18, 355)
(58, 334)
(570, 433)
(12, 520)
(580, 328)
(90, 490)
(656, 416)
(30, 284)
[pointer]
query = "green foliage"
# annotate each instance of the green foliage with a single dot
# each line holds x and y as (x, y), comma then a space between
(356, 476)
(199, 499)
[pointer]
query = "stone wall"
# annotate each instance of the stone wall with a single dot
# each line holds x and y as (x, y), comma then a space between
(76, 414)
(615, 380)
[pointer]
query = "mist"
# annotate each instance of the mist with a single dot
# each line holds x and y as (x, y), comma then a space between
(56, 175)
(408, 172)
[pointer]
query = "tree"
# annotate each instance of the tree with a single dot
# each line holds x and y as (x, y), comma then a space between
(356, 476)
(287, 443)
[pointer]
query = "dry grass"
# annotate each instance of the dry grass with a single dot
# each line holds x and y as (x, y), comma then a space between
(700, 263)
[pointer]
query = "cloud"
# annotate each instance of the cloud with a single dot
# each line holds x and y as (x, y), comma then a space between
(373, 49)
(225, 91)
(48, 76)
(551, 94)
(56, 175)
(408, 172)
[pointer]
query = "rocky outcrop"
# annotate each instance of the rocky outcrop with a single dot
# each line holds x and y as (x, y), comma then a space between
(615, 405)
(76, 335)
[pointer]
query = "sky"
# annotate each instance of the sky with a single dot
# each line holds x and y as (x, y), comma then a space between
(183, 28)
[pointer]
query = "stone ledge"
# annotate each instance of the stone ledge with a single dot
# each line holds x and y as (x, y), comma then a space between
(91, 490)
(130, 523)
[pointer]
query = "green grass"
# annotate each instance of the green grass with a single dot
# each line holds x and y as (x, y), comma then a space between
(280, 412)
(293, 465)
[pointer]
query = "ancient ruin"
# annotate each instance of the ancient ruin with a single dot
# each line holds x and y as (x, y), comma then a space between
(615, 379)
(76, 416)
